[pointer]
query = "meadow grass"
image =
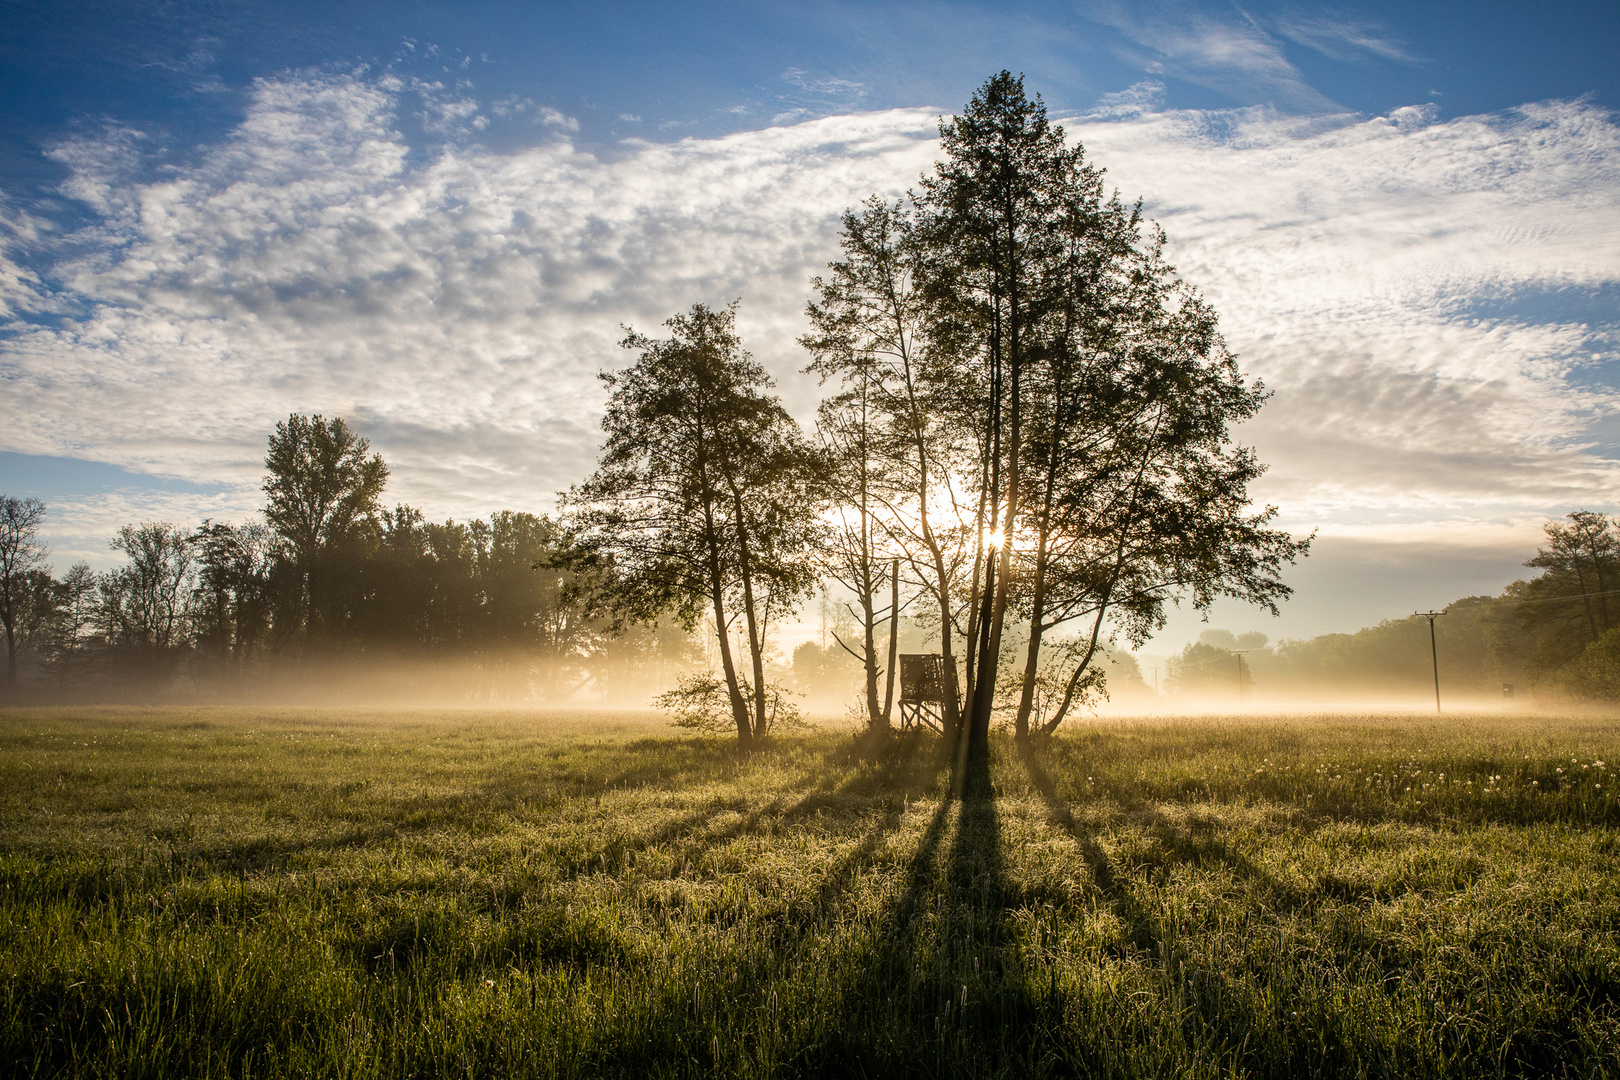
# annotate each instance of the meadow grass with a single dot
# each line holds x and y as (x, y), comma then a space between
(216, 892)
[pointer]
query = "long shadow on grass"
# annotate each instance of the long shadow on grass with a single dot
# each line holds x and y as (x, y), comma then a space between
(674, 1029)
(1189, 839)
(880, 774)
(937, 987)
(1135, 917)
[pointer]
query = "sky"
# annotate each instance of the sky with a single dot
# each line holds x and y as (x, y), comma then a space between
(435, 219)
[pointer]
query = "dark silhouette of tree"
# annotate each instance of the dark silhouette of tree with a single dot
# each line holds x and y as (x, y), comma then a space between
(1098, 396)
(894, 460)
(234, 599)
(990, 237)
(1135, 492)
(21, 556)
(70, 641)
(855, 552)
(703, 497)
(146, 603)
(321, 489)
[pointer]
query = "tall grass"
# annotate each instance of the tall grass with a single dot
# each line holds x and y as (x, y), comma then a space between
(248, 894)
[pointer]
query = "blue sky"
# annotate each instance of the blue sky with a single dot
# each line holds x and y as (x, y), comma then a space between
(433, 218)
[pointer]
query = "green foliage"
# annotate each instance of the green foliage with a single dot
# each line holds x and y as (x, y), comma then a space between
(704, 496)
(1596, 672)
(322, 894)
(321, 485)
(701, 701)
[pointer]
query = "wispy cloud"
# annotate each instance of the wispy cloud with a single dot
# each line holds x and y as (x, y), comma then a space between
(826, 85)
(458, 304)
(1230, 53)
(1351, 266)
(1342, 36)
(457, 307)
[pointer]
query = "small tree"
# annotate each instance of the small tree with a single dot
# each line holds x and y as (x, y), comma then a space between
(703, 497)
(21, 556)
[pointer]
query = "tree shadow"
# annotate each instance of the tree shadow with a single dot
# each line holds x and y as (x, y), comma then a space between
(784, 938)
(938, 986)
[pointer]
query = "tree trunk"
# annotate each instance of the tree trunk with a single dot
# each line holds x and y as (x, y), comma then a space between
(756, 647)
(869, 664)
(894, 643)
(739, 707)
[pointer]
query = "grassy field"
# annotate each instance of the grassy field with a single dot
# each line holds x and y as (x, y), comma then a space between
(303, 893)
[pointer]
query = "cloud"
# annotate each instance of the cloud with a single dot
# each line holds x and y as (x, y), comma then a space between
(1233, 55)
(831, 86)
(456, 303)
(1146, 96)
(457, 307)
(1351, 264)
(553, 118)
(1340, 36)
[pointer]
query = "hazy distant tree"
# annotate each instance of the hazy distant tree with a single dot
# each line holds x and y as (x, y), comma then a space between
(1595, 673)
(145, 605)
(321, 487)
(1573, 603)
(75, 610)
(233, 599)
(21, 556)
(1209, 669)
(703, 497)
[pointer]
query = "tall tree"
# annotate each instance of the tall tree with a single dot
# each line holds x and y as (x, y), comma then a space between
(21, 556)
(703, 495)
(321, 486)
(1094, 393)
(992, 236)
(1135, 491)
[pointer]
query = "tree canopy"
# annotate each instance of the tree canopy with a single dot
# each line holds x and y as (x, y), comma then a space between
(703, 497)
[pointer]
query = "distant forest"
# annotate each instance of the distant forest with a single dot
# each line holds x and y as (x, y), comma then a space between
(330, 589)
(1556, 635)
(1025, 453)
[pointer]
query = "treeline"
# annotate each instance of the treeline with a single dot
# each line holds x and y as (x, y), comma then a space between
(330, 584)
(1554, 636)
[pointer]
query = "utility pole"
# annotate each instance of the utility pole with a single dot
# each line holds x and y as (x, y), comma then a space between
(1434, 653)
